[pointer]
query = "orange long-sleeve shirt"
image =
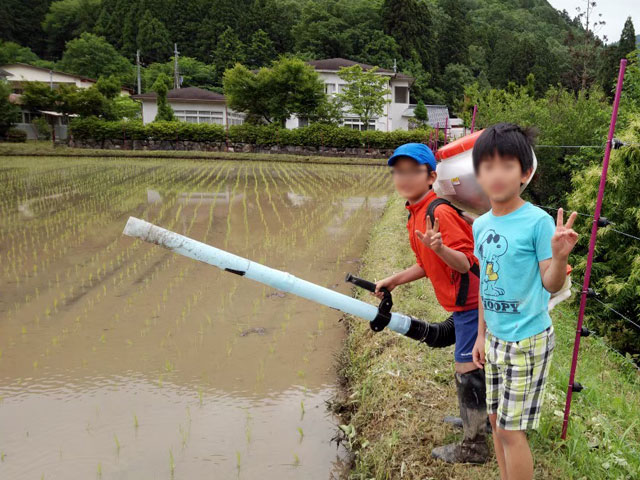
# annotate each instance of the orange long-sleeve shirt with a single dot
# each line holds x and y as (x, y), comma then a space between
(457, 235)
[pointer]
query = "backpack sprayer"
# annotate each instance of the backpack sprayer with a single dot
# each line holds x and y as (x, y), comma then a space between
(456, 184)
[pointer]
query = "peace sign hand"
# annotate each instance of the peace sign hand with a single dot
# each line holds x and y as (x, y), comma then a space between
(431, 238)
(565, 237)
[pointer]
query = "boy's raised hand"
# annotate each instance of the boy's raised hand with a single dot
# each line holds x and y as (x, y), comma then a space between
(431, 237)
(565, 237)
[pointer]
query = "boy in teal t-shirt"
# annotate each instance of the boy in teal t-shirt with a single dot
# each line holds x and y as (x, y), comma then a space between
(523, 257)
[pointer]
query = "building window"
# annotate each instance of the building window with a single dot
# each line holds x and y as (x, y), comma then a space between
(199, 116)
(401, 95)
(330, 88)
(356, 124)
(235, 118)
(303, 122)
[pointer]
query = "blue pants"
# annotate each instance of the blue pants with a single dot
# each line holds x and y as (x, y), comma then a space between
(466, 326)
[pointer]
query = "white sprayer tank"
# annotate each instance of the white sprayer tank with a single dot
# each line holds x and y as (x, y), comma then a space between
(456, 179)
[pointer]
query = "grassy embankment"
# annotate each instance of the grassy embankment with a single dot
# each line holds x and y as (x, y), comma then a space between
(45, 148)
(397, 391)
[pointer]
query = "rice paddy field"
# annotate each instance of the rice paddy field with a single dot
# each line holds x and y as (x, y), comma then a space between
(121, 360)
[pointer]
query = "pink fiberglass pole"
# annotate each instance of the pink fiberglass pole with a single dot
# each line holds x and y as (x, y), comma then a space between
(446, 127)
(592, 244)
(473, 118)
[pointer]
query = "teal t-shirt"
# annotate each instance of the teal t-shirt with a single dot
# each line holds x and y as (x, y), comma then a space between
(508, 248)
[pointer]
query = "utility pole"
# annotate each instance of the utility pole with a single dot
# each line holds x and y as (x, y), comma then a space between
(138, 70)
(176, 74)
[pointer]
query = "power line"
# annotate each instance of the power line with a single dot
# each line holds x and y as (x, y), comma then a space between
(568, 146)
(609, 222)
(553, 208)
(617, 312)
(605, 344)
(625, 234)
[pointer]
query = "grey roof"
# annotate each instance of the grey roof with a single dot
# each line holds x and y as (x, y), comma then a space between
(335, 64)
(186, 94)
(437, 114)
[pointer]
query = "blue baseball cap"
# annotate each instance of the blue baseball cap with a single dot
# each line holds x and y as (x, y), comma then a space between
(418, 151)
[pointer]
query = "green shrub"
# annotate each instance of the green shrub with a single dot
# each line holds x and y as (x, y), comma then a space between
(315, 135)
(42, 127)
(15, 136)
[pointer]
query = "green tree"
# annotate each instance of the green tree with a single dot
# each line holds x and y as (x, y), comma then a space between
(93, 56)
(20, 22)
(611, 55)
(109, 87)
(11, 52)
(365, 92)
(409, 22)
(161, 87)
(420, 114)
(562, 117)
(67, 19)
(289, 87)
(153, 39)
(260, 50)
(454, 33)
(229, 51)
(194, 73)
(38, 96)
(9, 112)
(85, 102)
(124, 107)
(627, 43)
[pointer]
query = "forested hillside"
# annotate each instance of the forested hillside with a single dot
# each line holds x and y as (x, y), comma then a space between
(445, 44)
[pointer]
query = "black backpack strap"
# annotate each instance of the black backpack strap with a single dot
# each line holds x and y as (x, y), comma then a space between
(431, 209)
(463, 291)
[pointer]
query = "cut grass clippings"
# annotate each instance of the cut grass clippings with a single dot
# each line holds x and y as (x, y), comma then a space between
(397, 391)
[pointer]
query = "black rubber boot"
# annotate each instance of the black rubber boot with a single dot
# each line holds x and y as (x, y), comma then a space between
(457, 422)
(473, 411)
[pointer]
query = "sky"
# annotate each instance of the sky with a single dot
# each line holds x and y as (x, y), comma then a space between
(614, 12)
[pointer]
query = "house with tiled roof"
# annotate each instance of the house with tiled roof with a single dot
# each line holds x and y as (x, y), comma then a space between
(192, 105)
(18, 74)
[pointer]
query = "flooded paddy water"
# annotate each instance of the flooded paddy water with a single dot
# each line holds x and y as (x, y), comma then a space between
(121, 360)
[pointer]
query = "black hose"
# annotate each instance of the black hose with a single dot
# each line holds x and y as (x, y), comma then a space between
(436, 335)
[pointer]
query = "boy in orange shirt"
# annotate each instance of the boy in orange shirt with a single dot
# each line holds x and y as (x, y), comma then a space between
(442, 241)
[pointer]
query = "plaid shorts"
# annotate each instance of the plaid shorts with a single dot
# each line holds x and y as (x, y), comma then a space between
(516, 375)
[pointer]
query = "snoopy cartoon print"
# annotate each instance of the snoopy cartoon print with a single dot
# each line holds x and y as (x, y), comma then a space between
(492, 247)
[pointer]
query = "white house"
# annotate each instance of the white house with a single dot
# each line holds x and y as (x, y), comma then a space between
(17, 74)
(193, 105)
(398, 96)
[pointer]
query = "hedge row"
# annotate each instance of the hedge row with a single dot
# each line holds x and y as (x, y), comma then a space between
(315, 135)
(14, 135)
